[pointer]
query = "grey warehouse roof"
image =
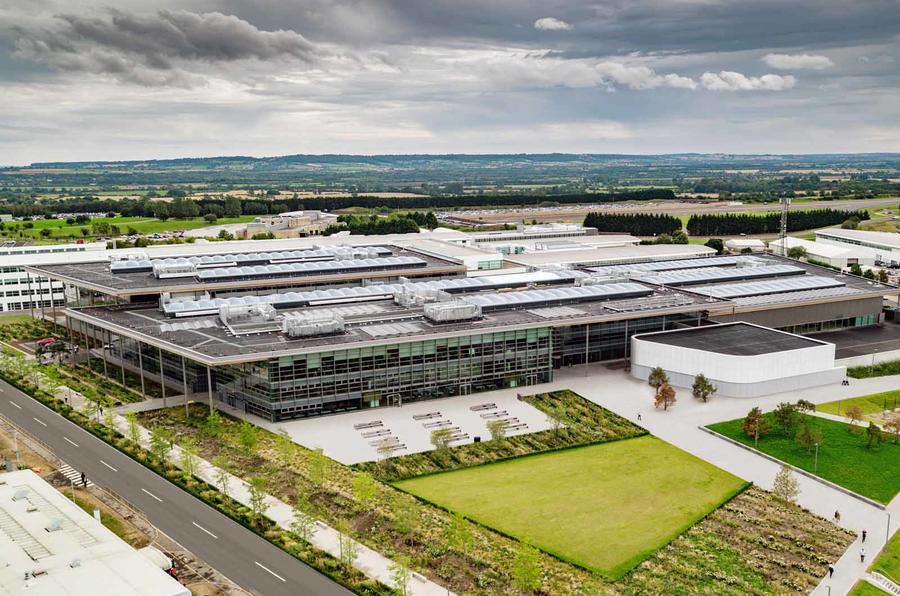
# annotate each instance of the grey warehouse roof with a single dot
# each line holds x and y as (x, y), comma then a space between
(739, 339)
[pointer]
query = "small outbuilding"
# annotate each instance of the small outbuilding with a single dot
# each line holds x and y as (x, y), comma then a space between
(744, 245)
(741, 359)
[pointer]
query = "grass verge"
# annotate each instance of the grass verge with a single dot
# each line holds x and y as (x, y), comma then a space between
(842, 456)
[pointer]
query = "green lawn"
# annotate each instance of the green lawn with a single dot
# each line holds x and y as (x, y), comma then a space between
(843, 457)
(605, 507)
(144, 225)
(870, 404)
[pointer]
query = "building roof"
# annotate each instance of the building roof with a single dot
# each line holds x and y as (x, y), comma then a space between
(825, 250)
(888, 240)
(610, 255)
(65, 551)
(737, 339)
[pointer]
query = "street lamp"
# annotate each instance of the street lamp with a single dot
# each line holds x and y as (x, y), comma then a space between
(816, 465)
(16, 446)
(887, 534)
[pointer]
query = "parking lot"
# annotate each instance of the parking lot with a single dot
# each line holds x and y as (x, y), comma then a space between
(358, 436)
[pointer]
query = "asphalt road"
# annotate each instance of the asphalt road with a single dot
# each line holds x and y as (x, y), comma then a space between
(242, 556)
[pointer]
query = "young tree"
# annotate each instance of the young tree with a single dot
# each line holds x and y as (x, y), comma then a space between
(303, 524)
(786, 417)
(213, 425)
(188, 460)
(134, 429)
(256, 487)
(160, 442)
(665, 396)
(873, 435)
(796, 252)
(400, 575)
(526, 569)
(703, 389)
(657, 378)
(406, 516)
(893, 426)
(755, 424)
(318, 468)
(555, 420)
(785, 487)
(109, 418)
(497, 428)
(221, 473)
(284, 444)
(855, 414)
(805, 407)
(365, 488)
(248, 437)
(809, 436)
(459, 534)
(440, 439)
(348, 548)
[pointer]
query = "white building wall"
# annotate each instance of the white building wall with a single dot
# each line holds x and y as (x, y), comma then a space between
(15, 292)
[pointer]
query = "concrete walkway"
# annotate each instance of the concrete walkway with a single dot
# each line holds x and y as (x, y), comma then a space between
(326, 538)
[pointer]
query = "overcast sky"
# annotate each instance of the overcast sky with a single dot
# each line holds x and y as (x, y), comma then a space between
(136, 79)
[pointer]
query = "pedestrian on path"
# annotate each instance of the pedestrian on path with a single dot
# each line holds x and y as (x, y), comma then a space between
(837, 516)
(862, 554)
(864, 535)
(830, 571)
(639, 417)
(83, 480)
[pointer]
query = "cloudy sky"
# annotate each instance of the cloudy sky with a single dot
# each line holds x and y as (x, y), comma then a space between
(132, 79)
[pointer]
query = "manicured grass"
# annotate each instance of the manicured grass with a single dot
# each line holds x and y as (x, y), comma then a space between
(870, 404)
(604, 507)
(144, 225)
(843, 457)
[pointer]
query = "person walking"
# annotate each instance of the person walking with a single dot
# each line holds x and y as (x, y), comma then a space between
(862, 554)
(639, 417)
(837, 516)
(83, 480)
(864, 535)
(830, 571)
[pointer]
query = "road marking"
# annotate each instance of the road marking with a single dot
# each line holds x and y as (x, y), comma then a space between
(109, 466)
(151, 494)
(261, 566)
(41, 422)
(205, 530)
(15, 404)
(70, 441)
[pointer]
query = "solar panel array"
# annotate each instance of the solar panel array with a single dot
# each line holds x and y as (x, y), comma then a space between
(309, 268)
(797, 296)
(675, 265)
(250, 258)
(719, 274)
(775, 286)
(531, 298)
(188, 308)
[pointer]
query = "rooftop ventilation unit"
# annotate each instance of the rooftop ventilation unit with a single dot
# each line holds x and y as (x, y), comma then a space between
(237, 314)
(448, 312)
(54, 526)
(417, 295)
(176, 269)
(312, 324)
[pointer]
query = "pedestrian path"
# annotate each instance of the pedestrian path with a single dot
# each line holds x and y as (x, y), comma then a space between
(73, 475)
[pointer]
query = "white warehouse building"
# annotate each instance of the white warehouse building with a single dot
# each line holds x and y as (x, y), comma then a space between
(740, 359)
(828, 254)
(886, 245)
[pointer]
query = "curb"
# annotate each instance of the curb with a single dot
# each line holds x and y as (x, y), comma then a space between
(810, 475)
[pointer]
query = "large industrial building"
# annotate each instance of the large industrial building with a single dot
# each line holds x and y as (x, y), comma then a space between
(371, 321)
(885, 245)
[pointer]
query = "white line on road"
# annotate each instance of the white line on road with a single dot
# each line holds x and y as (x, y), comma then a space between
(151, 494)
(70, 441)
(15, 404)
(109, 466)
(261, 566)
(41, 422)
(205, 530)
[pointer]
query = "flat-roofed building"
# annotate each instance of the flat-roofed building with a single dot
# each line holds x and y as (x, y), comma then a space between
(886, 245)
(833, 255)
(52, 547)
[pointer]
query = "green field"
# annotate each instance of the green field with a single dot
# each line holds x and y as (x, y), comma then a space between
(843, 457)
(144, 225)
(604, 507)
(870, 404)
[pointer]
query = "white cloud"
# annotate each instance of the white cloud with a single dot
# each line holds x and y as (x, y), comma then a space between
(798, 61)
(727, 80)
(551, 24)
(642, 77)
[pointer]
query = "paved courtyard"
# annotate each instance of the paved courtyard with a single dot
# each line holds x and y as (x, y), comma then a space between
(355, 437)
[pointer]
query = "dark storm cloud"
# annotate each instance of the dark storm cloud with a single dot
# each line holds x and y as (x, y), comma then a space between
(155, 49)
